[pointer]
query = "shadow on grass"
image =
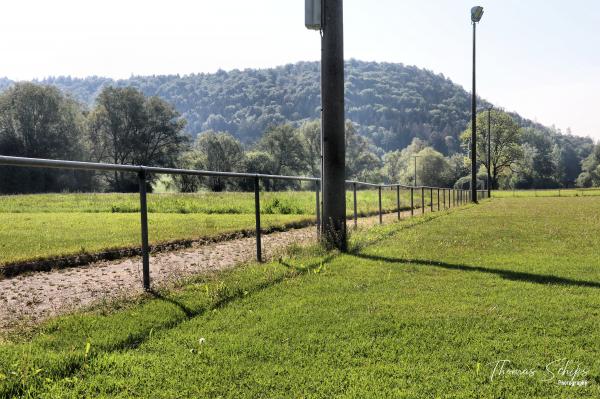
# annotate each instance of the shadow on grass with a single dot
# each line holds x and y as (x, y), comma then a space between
(237, 294)
(506, 274)
(135, 339)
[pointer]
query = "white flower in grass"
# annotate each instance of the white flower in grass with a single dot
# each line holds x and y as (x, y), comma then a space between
(202, 341)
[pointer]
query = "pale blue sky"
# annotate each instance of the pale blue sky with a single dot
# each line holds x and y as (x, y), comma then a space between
(537, 57)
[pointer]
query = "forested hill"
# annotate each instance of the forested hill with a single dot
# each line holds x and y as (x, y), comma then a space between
(390, 103)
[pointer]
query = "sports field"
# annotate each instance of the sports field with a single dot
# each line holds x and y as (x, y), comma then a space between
(494, 301)
(54, 225)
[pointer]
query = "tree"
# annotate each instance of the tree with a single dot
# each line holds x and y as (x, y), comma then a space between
(361, 161)
(258, 162)
(392, 166)
(310, 132)
(284, 144)
(590, 175)
(189, 183)
(126, 127)
(221, 152)
(505, 142)
(40, 122)
(432, 168)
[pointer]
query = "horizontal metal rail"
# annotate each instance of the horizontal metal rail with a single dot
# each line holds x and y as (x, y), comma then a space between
(459, 196)
(59, 164)
(98, 166)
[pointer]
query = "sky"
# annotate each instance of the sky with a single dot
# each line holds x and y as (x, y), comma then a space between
(537, 57)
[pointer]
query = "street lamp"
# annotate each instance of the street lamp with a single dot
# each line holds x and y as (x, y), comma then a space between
(476, 14)
(415, 157)
(489, 151)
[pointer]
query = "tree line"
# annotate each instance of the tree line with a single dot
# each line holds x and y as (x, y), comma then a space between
(124, 126)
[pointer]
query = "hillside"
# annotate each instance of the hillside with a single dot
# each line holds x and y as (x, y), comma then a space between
(391, 103)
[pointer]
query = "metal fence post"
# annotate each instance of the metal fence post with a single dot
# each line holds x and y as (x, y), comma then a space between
(144, 222)
(412, 202)
(257, 217)
(380, 208)
(318, 209)
(431, 199)
(355, 212)
(398, 200)
(422, 200)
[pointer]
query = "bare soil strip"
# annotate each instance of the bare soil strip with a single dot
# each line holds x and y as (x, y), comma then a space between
(31, 298)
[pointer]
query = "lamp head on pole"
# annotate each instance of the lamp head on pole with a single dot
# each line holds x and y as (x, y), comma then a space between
(476, 14)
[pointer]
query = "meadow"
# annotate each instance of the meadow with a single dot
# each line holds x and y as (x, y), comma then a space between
(570, 192)
(422, 308)
(54, 225)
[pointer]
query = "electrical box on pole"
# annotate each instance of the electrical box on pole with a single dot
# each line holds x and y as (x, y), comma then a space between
(312, 14)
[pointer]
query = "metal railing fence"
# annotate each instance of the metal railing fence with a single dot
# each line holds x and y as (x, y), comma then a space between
(455, 197)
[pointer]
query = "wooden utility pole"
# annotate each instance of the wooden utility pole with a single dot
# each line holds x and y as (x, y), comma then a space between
(333, 123)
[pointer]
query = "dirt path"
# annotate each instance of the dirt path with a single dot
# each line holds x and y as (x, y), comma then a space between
(28, 299)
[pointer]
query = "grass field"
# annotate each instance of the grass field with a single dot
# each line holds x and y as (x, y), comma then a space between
(423, 308)
(571, 192)
(49, 225)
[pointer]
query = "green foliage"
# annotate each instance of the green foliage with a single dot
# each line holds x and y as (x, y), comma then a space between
(274, 114)
(590, 175)
(284, 144)
(40, 122)
(505, 142)
(220, 152)
(125, 127)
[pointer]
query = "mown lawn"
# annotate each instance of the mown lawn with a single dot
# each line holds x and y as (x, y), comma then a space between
(419, 309)
(570, 192)
(52, 225)
(27, 236)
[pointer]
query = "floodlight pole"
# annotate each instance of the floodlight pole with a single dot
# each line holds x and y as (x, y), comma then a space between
(334, 141)
(474, 125)
(489, 153)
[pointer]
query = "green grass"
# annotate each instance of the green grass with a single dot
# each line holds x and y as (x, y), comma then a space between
(53, 225)
(287, 202)
(572, 192)
(419, 309)
(27, 236)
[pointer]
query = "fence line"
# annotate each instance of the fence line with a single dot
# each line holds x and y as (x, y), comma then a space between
(456, 197)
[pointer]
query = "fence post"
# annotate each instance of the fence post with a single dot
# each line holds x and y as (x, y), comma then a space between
(431, 199)
(438, 202)
(398, 200)
(380, 210)
(355, 213)
(257, 217)
(422, 200)
(144, 221)
(412, 202)
(444, 192)
(318, 209)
